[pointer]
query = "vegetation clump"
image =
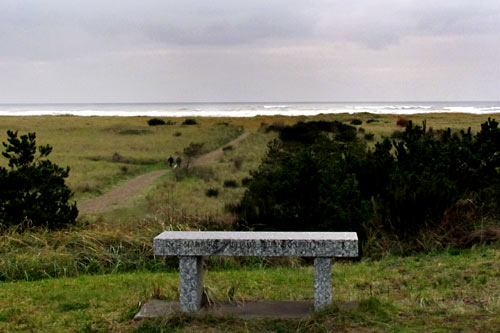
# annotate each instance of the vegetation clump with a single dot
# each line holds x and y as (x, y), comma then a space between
(189, 121)
(320, 176)
(402, 122)
(369, 136)
(156, 122)
(192, 151)
(33, 189)
(212, 192)
(356, 122)
(230, 183)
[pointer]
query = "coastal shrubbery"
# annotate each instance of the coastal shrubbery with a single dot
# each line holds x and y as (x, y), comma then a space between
(321, 176)
(190, 121)
(156, 122)
(33, 191)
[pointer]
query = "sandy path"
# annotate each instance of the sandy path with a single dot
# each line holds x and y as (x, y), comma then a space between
(117, 197)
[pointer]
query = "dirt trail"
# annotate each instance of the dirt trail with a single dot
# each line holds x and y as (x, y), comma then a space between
(117, 197)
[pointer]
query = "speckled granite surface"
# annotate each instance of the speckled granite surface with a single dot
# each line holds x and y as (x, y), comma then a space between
(268, 244)
(322, 283)
(191, 246)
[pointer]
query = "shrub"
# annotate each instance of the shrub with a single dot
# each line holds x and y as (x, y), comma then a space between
(371, 121)
(401, 188)
(402, 122)
(192, 151)
(189, 121)
(212, 192)
(369, 136)
(227, 148)
(304, 183)
(356, 122)
(230, 183)
(245, 181)
(33, 189)
(117, 157)
(397, 134)
(238, 162)
(156, 122)
(177, 133)
(361, 130)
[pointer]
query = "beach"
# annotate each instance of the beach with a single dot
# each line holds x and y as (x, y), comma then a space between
(247, 109)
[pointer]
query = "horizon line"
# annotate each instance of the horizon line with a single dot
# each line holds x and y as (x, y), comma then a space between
(260, 102)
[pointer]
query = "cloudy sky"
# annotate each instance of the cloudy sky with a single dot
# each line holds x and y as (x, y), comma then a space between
(233, 50)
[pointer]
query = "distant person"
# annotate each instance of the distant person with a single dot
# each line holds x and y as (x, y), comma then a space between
(171, 161)
(178, 162)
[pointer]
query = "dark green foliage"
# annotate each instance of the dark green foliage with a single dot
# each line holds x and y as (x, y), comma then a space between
(227, 148)
(230, 183)
(319, 176)
(177, 133)
(156, 122)
(245, 181)
(212, 192)
(371, 121)
(356, 122)
(305, 183)
(369, 136)
(428, 173)
(397, 134)
(33, 189)
(192, 151)
(189, 121)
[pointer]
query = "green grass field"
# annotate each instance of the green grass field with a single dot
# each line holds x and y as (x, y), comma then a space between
(93, 275)
(447, 291)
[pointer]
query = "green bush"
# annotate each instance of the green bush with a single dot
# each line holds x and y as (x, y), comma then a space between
(33, 189)
(369, 136)
(189, 121)
(304, 182)
(212, 192)
(230, 183)
(156, 122)
(319, 176)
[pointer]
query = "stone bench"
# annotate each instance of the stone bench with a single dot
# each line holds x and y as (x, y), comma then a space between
(192, 246)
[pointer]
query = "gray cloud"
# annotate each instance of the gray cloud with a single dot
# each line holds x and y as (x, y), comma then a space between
(213, 50)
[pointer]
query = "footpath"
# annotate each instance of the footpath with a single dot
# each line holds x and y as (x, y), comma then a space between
(119, 195)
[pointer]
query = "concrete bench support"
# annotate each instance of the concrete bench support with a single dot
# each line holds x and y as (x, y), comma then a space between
(322, 283)
(192, 246)
(191, 289)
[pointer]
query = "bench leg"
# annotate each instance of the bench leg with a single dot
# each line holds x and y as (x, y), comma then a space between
(322, 283)
(191, 291)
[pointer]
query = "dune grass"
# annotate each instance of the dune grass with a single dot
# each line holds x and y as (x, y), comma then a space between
(453, 290)
(102, 151)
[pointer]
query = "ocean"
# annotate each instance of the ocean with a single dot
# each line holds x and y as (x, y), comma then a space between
(249, 109)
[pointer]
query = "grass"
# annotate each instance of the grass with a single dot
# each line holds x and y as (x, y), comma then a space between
(453, 290)
(87, 145)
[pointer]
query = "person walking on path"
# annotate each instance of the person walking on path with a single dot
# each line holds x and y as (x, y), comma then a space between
(178, 162)
(171, 161)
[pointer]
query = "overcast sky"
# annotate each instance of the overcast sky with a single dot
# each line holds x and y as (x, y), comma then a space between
(211, 50)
